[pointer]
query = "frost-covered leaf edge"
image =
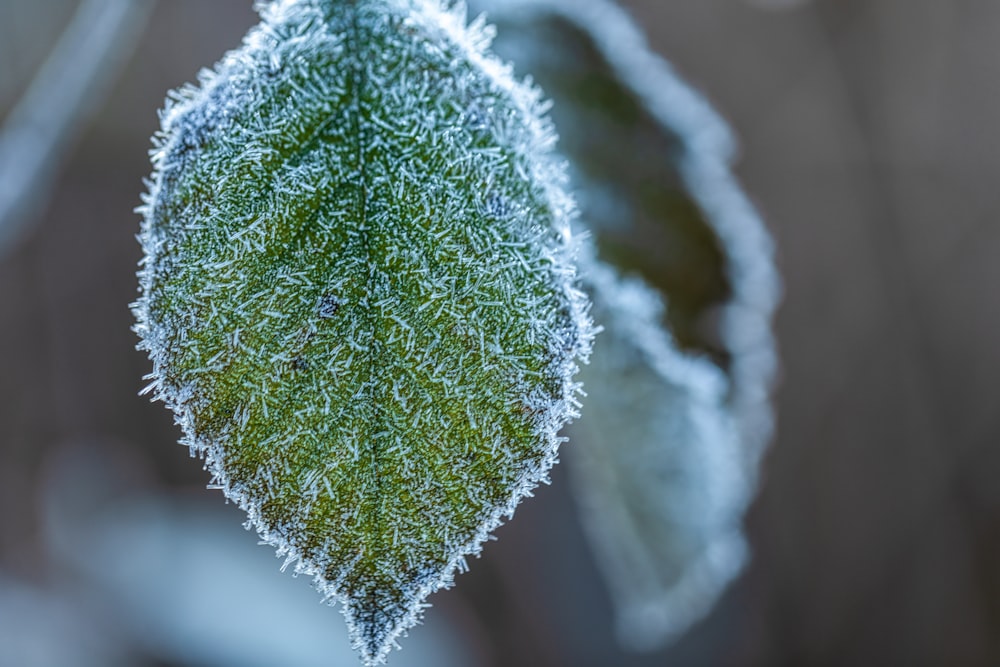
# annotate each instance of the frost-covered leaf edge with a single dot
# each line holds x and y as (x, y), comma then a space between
(472, 39)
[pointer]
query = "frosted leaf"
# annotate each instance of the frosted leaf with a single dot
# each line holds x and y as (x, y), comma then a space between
(651, 169)
(657, 465)
(358, 294)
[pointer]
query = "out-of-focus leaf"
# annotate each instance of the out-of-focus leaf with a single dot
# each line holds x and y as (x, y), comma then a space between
(624, 160)
(664, 467)
(358, 294)
(657, 465)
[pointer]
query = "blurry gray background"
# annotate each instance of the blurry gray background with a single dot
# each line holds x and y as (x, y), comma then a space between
(870, 134)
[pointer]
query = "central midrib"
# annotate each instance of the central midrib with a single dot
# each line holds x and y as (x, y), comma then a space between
(356, 45)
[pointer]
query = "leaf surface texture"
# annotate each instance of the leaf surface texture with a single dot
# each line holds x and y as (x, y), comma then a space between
(359, 296)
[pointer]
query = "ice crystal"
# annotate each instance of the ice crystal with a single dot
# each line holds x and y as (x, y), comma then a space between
(666, 456)
(358, 294)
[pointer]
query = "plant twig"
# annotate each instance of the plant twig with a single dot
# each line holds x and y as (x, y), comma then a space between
(66, 90)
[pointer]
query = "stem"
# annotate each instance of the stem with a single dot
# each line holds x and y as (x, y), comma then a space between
(65, 91)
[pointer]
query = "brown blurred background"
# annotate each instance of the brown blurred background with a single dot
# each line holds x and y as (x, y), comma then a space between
(870, 134)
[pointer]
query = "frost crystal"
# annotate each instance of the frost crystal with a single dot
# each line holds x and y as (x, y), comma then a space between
(358, 294)
(665, 459)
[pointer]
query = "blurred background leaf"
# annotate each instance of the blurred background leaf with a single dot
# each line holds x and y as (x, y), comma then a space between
(665, 456)
(658, 468)
(625, 162)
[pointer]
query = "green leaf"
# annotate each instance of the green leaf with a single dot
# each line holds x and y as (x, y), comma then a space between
(358, 294)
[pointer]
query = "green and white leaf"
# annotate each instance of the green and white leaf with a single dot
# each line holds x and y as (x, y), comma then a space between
(678, 409)
(358, 294)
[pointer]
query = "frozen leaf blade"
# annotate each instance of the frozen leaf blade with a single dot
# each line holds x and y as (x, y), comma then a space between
(358, 294)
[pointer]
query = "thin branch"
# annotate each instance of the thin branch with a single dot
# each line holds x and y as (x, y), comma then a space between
(66, 90)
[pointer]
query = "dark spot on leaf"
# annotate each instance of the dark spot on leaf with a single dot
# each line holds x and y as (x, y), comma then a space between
(328, 306)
